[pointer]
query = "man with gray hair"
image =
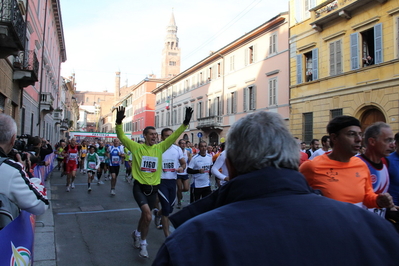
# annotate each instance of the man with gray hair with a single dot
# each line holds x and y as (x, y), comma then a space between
(380, 143)
(27, 193)
(268, 215)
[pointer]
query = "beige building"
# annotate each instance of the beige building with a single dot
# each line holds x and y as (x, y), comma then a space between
(330, 73)
(247, 75)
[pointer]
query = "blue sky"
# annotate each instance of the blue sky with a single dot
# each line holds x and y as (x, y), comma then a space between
(103, 37)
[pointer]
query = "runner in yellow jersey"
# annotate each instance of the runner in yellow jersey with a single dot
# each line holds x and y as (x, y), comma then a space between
(147, 169)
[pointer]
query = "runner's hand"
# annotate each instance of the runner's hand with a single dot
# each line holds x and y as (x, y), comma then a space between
(120, 114)
(189, 113)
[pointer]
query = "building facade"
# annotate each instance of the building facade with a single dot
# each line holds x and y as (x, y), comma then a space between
(32, 49)
(344, 56)
(247, 75)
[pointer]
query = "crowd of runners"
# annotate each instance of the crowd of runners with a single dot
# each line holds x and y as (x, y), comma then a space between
(351, 166)
(161, 168)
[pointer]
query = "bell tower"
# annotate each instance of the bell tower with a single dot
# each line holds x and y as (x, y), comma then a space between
(171, 51)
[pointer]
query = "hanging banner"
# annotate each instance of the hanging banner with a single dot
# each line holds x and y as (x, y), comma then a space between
(83, 134)
(16, 240)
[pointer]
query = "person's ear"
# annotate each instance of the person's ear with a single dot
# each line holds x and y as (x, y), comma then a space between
(232, 170)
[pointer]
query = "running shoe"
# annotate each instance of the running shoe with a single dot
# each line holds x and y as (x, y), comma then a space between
(68, 188)
(143, 251)
(73, 185)
(112, 192)
(157, 219)
(136, 240)
(100, 183)
(89, 189)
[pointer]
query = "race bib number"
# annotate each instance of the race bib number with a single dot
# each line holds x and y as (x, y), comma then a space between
(206, 168)
(101, 158)
(149, 164)
(92, 165)
(168, 166)
(73, 156)
(115, 159)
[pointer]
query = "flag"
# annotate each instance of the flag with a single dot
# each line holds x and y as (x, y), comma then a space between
(16, 241)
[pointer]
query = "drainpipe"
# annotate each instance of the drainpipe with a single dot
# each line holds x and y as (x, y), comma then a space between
(41, 68)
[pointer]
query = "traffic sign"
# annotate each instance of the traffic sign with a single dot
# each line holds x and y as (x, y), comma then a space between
(199, 134)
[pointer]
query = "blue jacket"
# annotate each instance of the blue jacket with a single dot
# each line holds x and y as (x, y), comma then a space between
(271, 217)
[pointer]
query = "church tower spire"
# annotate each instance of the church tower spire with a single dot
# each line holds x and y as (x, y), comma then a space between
(171, 51)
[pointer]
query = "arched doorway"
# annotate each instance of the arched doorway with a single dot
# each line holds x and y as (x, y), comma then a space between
(185, 137)
(213, 138)
(371, 116)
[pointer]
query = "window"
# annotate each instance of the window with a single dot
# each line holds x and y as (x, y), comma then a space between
(210, 74)
(302, 9)
(335, 112)
(217, 107)
(23, 120)
(249, 98)
(307, 127)
(209, 109)
(172, 63)
(167, 122)
(336, 58)
(232, 63)
(273, 44)
(218, 70)
(199, 110)
(272, 91)
(250, 55)
(311, 64)
(162, 120)
(200, 78)
(2, 103)
(232, 103)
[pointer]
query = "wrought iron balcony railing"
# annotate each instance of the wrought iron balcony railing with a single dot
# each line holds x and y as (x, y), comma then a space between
(209, 122)
(27, 70)
(12, 28)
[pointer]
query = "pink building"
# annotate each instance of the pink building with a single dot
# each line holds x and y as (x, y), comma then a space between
(247, 75)
(32, 49)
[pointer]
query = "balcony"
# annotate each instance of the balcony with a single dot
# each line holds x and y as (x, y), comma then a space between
(27, 72)
(332, 10)
(46, 102)
(12, 28)
(57, 115)
(210, 122)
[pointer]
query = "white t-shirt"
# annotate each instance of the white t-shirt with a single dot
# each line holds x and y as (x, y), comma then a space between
(185, 156)
(220, 163)
(317, 153)
(201, 162)
(170, 162)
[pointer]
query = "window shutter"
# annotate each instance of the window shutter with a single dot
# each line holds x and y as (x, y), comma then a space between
(315, 63)
(229, 104)
(378, 43)
(339, 57)
(234, 102)
(299, 69)
(354, 39)
(254, 47)
(245, 99)
(332, 59)
(271, 45)
(253, 98)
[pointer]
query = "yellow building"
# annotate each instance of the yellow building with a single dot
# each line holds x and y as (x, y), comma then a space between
(330, 73)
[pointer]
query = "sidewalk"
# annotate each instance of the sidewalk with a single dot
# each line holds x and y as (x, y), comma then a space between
(44, 251)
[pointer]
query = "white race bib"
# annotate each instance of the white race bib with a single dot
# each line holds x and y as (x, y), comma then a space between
(73, 156)
(149, 164)
(92, 165)
(115, 159)
(168, 165)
